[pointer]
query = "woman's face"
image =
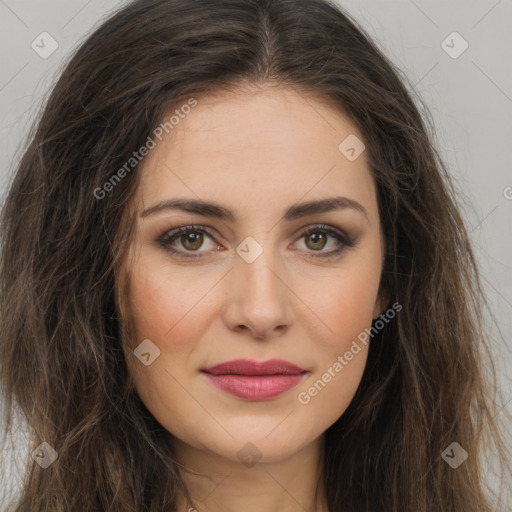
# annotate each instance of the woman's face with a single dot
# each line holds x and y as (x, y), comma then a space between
(252, 285)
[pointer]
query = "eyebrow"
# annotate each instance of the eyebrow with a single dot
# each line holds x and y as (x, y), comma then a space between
(296, 211)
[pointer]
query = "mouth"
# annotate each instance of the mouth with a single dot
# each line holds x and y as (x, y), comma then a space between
(252, 380)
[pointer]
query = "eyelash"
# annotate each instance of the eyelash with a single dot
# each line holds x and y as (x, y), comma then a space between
(170, 236)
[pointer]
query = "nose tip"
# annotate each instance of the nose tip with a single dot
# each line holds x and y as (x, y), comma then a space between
(259, 332)
(258, 299)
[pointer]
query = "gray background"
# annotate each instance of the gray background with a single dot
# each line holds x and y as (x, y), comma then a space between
(470, 98)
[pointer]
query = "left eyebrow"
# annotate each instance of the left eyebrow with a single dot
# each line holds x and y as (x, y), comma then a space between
(296, 211)
(323, 206)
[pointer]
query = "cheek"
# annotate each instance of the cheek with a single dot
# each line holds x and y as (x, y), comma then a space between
(343, 302)
(172, 310)
(340, 357)
(325, 398)
(168, 306)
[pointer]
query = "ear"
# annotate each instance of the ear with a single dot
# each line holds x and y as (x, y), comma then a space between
(381, 305)
(382, 302)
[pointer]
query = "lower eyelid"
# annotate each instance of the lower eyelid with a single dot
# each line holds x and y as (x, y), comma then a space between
(168, 238)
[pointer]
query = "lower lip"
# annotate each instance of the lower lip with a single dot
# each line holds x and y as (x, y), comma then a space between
(255, 387)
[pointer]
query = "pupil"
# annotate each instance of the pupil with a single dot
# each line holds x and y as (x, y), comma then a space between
(192, 241)
(317, 238)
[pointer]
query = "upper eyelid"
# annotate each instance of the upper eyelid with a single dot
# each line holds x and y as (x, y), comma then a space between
(167, 236)
(210, 231)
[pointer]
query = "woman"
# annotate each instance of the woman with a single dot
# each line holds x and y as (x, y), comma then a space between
(235, 276)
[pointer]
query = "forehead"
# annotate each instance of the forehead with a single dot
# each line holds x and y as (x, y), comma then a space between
(272, 145)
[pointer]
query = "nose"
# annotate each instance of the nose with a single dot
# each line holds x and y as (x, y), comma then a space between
(258, 298)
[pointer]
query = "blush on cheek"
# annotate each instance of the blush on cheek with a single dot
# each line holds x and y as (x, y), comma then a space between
(174, 321)
(343, 316)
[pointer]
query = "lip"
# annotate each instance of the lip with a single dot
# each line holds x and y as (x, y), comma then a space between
(253, 380)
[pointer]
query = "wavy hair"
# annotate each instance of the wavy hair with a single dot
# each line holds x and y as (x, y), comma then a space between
(429, 379)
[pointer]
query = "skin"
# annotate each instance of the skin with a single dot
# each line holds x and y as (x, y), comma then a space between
(256, 152)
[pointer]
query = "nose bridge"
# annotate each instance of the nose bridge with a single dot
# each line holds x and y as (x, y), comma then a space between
(258, 297)
(259, 274)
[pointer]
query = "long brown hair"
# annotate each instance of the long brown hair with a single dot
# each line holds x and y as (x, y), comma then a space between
(429, 379)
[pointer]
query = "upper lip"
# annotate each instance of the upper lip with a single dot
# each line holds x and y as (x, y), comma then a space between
(248, 367)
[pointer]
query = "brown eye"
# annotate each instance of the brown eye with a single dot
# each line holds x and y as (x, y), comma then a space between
(192, 240)
(188, 241)
(317, 241)
(317, 238)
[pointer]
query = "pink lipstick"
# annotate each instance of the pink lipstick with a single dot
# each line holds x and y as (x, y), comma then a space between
(252, 380)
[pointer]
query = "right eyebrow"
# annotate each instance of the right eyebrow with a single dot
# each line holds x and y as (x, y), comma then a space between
(293, 212)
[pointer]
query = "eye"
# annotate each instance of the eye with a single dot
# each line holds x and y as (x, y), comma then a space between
(317, 238)
(192, 238)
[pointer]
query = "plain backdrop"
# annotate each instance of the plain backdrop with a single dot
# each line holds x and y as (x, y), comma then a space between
(469, 94)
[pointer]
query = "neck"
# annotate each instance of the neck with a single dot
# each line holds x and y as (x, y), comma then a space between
(219, 484)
